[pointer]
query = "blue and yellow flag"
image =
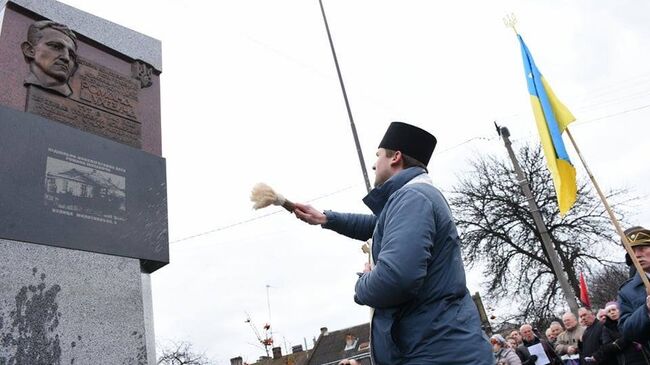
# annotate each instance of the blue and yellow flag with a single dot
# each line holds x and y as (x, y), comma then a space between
(552, 118)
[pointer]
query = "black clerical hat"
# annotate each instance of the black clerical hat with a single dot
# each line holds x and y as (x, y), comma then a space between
(410, 140)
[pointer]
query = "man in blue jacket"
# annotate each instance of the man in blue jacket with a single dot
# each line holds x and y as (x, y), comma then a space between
(634, 323)
(423, 313)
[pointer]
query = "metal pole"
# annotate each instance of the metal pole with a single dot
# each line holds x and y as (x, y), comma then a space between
(268, 303)
(347, 104)
(539, 223)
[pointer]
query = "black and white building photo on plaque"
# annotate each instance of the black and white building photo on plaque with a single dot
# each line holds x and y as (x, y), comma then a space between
(85, 189)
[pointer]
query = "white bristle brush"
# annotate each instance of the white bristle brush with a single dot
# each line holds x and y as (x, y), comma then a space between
(263, 196)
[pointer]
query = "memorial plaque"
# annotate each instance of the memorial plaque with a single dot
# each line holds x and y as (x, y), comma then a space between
(76, 190)
(102, 102)
(83, 201)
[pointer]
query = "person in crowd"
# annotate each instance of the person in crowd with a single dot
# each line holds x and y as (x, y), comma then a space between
(634, 301)
(512, 343)
(550, 336)
(592, 336)
(515, 335)
(601, 315)
(553, 330)
(556, 328)
(503, 355)
(520, 349)
(567, 341)
(529, 339)
(617, 350)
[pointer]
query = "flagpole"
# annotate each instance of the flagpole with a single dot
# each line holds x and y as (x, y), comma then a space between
(366, 246)
(612, 217)
(347, 104)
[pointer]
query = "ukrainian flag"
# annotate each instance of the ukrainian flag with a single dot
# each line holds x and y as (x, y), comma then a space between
(552, 118)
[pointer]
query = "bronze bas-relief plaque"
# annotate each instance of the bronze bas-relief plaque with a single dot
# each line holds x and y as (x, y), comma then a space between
(102, 102)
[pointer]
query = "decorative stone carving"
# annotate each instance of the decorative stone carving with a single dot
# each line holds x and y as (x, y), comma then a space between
(142, 72)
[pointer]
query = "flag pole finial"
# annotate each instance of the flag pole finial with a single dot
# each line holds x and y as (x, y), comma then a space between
(510, 20)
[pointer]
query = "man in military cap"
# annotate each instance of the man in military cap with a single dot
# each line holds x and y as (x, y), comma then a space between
(423, 313)
(632, 296)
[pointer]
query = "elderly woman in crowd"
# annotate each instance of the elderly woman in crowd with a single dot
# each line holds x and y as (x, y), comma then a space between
(616, 350)
(503, 354)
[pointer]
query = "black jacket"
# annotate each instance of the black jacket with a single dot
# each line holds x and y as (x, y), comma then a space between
(524, 355)
(616, 350)
(550, 353)
(591, 341)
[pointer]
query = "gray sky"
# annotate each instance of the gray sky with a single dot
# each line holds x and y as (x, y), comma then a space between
(250, 94)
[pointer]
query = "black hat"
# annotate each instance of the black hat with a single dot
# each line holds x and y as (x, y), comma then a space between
(638, 236)
(410, 140)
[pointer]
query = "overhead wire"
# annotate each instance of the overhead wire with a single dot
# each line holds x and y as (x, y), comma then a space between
(242, 222)
(259, 217)
(613, 114)
(239, 223)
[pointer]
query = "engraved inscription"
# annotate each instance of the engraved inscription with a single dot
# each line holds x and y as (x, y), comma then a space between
(105, 89)
(83, 117)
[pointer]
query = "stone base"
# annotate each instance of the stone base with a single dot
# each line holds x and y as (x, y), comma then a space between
(62, 306)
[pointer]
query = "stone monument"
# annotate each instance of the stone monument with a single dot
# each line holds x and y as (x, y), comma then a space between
(83, 197)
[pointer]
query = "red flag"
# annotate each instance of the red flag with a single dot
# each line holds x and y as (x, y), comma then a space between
(584, 294)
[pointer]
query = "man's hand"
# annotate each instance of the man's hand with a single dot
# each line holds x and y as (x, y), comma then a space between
(367, 268)
(309, 214)
(348, 362)
(647, 302)
(571, 350)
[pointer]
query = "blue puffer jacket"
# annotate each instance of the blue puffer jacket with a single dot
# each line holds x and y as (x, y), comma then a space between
(423, 311)
(634, 323)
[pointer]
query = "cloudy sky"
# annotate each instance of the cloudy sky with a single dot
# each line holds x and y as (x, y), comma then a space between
(250, 94)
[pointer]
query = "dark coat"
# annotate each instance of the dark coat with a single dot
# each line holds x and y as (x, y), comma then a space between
(591, 341)
(634, 323)
(550, 353)
(423, 313)
(524, 355)
(616, 350)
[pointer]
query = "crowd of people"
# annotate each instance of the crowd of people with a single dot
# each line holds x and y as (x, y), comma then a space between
(589, 339)
(618, 334)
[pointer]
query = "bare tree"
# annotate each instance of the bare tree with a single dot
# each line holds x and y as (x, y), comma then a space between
(497, 230)
(604, 284)
(181, 354)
